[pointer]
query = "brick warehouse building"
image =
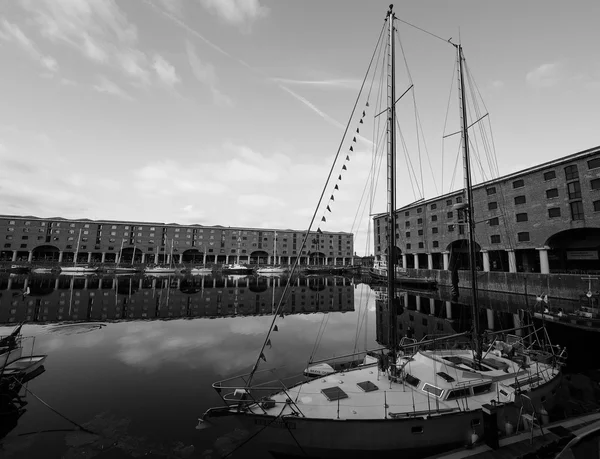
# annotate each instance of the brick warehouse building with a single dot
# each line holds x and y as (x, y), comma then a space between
(55, 240)
(544, 219)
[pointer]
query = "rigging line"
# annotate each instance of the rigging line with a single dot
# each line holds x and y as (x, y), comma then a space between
(446, 119)
(409, 163)
(281, 300)
(365, 188)
(478, 116)
(416, 112)
(492, 160)
(458, 154)
(426, 31)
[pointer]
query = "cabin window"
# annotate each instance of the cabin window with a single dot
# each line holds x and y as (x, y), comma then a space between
(334, 393)
(458, 393)
(417, 429)
(432, 389)
(367, 386)
(445, 376)
(549, 175)
(482, 388)
(410, 379)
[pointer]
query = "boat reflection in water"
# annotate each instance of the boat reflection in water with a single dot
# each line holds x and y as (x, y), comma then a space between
(52, 299)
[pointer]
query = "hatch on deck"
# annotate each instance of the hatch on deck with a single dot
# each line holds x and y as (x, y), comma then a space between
(334, 393)
(367, 386)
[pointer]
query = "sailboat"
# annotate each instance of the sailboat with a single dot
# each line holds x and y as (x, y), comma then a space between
(118, 269)
(163, 269)
(266, 270)
(77, 269)
(418, 399)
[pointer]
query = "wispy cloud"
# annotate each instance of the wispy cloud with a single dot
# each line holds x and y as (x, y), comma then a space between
(102, 33)
(544, 76)
(107, 86)
(241, 13)
(12, 32)
(339, 83)
(206, 74)
(165, 71)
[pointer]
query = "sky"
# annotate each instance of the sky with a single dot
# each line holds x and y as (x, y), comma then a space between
(230, 112)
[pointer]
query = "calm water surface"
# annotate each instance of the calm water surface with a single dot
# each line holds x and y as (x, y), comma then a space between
(133, 358)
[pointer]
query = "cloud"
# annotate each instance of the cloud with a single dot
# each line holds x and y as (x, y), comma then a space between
(497, 84)
(240, 13)
(101, 32)
(323, 84)
(205, 73)
(545, 76)
(165, 71)
(108, 87)
(12, 32)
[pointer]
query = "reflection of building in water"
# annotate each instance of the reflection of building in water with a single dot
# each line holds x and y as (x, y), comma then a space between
(129, 298)
(419, 316)
(416, 317)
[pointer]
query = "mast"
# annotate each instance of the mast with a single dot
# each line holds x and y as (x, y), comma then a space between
(77, 249)
(391, 181)
(477, 338)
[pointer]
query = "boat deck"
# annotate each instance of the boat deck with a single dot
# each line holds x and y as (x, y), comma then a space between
(368, 393)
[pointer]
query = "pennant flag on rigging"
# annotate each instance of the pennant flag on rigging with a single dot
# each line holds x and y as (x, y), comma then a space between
(344, 168)
(337, 187)
(351, 149)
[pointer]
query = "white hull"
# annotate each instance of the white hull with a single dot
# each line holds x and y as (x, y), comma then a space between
(42, 270)
(124, 270)
(263, 271)
(24, 365)
(77, 270)
(200, 271)
(160, 270)
(405, 437)
(8, 357)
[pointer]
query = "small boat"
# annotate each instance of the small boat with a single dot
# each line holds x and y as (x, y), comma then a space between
(236, 268)
(379, 272)
(124, 270)
(160, 270)
(42, 270)
(271, 270)
(200, 270)
(72, 270)
(23, 365)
